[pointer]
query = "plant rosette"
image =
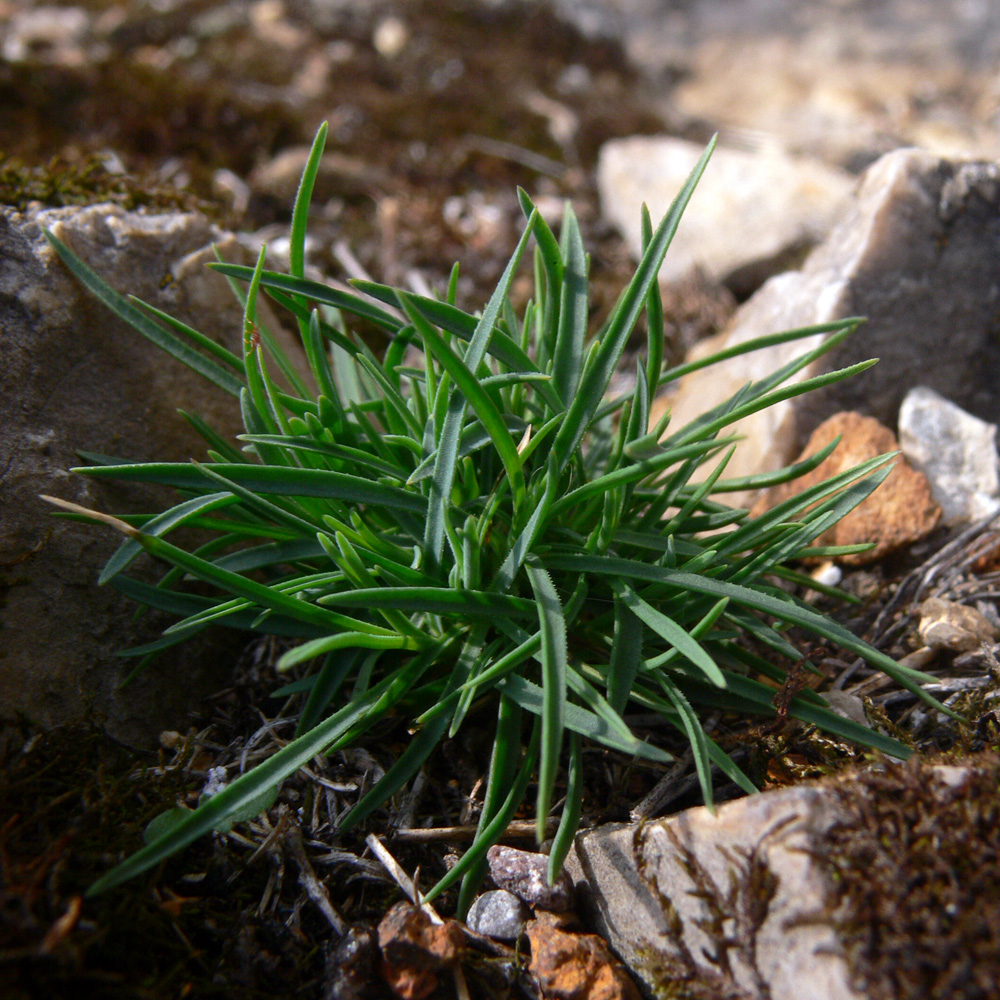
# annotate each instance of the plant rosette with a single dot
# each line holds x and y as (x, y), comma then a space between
(486, 526)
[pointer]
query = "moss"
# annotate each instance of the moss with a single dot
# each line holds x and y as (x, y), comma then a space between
(915, 866)
(60, 183)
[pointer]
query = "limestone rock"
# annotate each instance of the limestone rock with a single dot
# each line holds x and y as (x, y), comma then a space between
(752, 215)
(841, 106)
(899, 512)
(730, 894)
(842, 80)
(915, 254)
(74, 377)
(807, 890)
(956, 627)
(955, 450)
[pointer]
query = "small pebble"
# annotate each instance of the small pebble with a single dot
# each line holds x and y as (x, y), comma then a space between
(525, 875)
(948, 625)
(498, 914)
(390, 37)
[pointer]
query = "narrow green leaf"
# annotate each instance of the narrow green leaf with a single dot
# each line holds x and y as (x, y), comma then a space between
(303, 197)
(573, 310)
(478, 399)
(324, 687)
(460, 324)
(317, 292)
(694, 732)
(783, 610)
(491, 833)
(419, 748)
(471, 661)
(206, 343)
(626, 651)
(595, 379)
(503, 769)
(434, 600)
(161, 525)
(530, 696)
(140, 322)
(669, 630)
(636, 472)
(463, 373)
(766, 480)
(547, 243)
(655, 331)
(840, 326)
(552, 626)
(569, 821)
(267, 479)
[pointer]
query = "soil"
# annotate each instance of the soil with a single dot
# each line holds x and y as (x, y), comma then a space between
(190, 104)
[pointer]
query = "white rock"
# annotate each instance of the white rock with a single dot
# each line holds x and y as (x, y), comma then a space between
(956, 451)
(390, 37)
(750, 213)
(47, 33)
(498, 914)
(842, 80)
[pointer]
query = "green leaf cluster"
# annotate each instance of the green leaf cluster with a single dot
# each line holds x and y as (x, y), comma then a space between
(465, 523)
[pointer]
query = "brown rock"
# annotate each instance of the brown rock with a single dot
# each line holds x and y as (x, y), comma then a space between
(415, 949)
(407, 936)
(899, 512)
(408, 983)
(570, 966)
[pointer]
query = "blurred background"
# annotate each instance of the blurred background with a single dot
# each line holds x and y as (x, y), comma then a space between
(438, 108)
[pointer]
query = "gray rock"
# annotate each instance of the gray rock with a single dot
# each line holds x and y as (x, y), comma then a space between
(956, 451)
(751, 216)
(739, 886)
(916, 254)
(498, 914)
(526, 875)
(749, 902)
(74, 377)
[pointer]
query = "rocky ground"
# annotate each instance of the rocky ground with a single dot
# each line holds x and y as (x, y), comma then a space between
(437, 110)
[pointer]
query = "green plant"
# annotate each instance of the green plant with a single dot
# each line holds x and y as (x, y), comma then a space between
(483, 526)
